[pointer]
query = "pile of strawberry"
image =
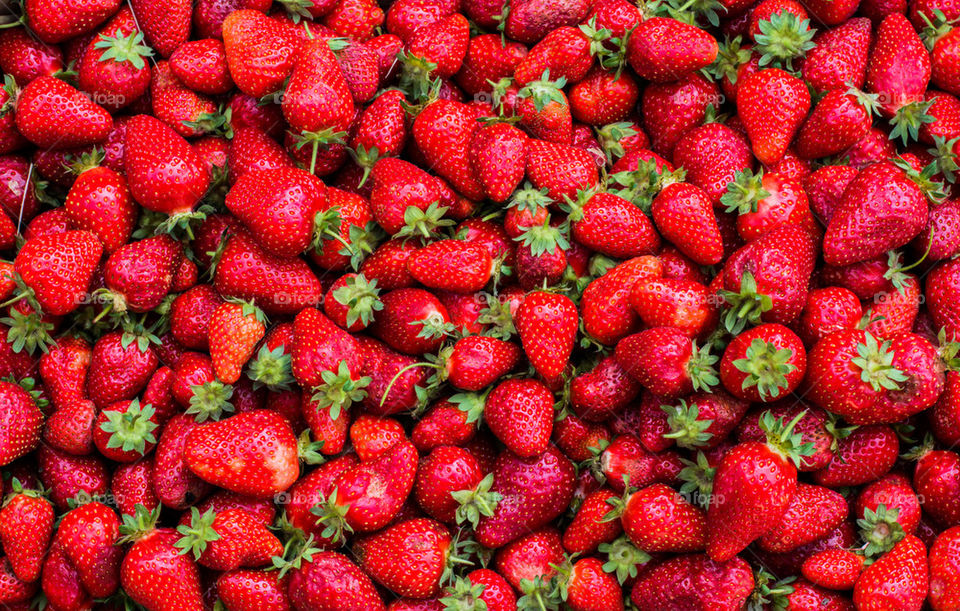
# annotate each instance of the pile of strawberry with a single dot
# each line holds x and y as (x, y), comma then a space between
(452, 305)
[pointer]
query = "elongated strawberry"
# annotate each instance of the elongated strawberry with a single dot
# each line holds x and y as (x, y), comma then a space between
(443, 131)
(452, 265)
(694, 581)
(612, 225)
(497, 155)
(752, 488)
(235, 330)
(547, 323)
(328, 580)
(228, 539)
(87, 536)
(165, 174)
(560, 169)
(899, 70)
(772, 105)
(138, 275)
(679, 208)
(26, 525)
(667, 362)
(900, 575)
(260, 53)
(662, 49)
(22, 421)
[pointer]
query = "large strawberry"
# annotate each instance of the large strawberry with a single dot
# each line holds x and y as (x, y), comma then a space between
(772, 104)
(662, 49)
(752, 488)
(52, 114)
(260, 52)
(409, 558)
(26, 524)
(253, 453)
(58, 269)
(898, 578)
(547, 323)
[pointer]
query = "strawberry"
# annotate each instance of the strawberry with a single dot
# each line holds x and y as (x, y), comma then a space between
(711, 154)
(154, 573)
(52, 114)
(900, 575)
(535, 491)
(943, 570)
(166, 27)
(248, 589)
(67, 476)
(838, 121)
(350, 506)
(812, 514)
(87, 536)
(586, 585)
(937, 480)
(277, 286)
(260, 53)
(658, 519)
(531, 564)
(112, 69)
(860, 378)
(395, 385)
(413, 321)
(603, 391)
(482, 585)
(752, 488)
(476, 361)
(452, 265)
(124, 431)
(942, 287)
(772, 105)
(862, 456)
(560, 169)
(99, 201)
(678, 208)
(836, 569)
(828, 310)
(895, 492)
(356, 19)
(253, 149)
(140, 274)
(763, 363)
(381, 130)
(328, 580)
(520, 414)
(441, 477)
(705, 422)
(398, 186)
(22, 423)
(165, 174)
(839, 58)
(685, 305)
(354, 215)
(235, 329)
(26, 525)
(443, 424)
(693, 581)
(227, 540)
(662, 49)
(53, 23)
(612, 225)
(899, 70)
(588, 530)
(667, 362)
(605, 306)
(408, 558)
(132, 485)
(489, 58)
(898, 213)
(201, 65)
(443, 131)
(278, 207)
(262, 450)
(759, 291)
(185, 111)
(547, 323)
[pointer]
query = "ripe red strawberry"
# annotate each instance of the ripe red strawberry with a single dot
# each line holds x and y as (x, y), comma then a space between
(452, 265)
(895, 492)
(836, 568)
(839, 58)
(520, 414)
(277, 286)
(253, 453)
(87, 536)
(235, 330)
(260, 52)
(58, 269)
(603, 98)
(187, 112)
(711, 154)
(662, 49)
(201, 65)
(443, 131)
(154, 573)
(752, 488)
(413, 321)
(869, 381)
(449, 472)
(685, 305)
(167, 26)
(667, 362)
(54, 23)
(772, 105)
(535, 491)
(407, 558)
(52, 114)
(899, 577)
(588, 530)
(227, 539)
(899, 70)
(942, 287)
(394, 383)
(812, 514)
(22, 423)
(489, 58)
(112, 69)
(586, 585)
(881, 209)
(943, 574)
(937, 480)
(677, 210)
(605, 306)
(100, 202)
(862, 456)
(132, 485)
(560, 169)
(278, 206)
(476, 361)
(547, 323)
(497, 155)
(482, 585)
(671, 109)
(124, 431)
(367, 496)
(165, 174)
(381, 130)
(67, 476)
(328, 580)
(399, 185)
(531, 564)
(602, 392)
(25, 57)
(763, 363)
(658, 519)
(249, 589)
(838, 121)
(26, 525)
(566, 52)
(694, 581)
(140, 274)
(612, 225)
(443, 424)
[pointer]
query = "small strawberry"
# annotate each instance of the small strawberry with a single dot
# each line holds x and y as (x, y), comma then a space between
(227, 539)
(234, 332)
(22, 423)
(763, 363)
(328, 580)
(662, 49)
(260, 53)
(680, 207)
(452, 265)
(693, 581)
(772, 105)
(26, 525)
